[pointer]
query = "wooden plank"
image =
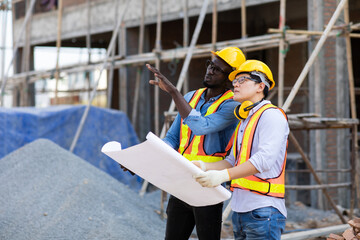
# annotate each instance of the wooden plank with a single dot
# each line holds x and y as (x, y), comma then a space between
(319, 232)
(321, 123)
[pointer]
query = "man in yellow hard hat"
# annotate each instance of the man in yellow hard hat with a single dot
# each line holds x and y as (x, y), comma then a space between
(256, 164)
(201, 132)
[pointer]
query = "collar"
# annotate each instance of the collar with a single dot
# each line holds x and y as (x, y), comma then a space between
(213, 98)
(262, 103)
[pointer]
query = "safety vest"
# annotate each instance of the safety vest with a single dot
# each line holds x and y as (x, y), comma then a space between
(274, 187)
(194, 149)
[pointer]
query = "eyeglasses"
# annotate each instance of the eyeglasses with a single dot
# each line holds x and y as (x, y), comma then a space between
(241, 80)
(211, 66)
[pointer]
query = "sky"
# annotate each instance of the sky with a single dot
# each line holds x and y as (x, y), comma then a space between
(44, 57)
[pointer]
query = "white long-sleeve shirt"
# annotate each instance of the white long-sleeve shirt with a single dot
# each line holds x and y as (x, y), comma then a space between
(267, 156)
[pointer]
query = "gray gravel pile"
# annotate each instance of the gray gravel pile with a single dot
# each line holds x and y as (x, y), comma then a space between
(47, 192)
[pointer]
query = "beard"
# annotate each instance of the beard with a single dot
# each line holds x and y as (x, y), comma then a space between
(207, 84)
(218, 85)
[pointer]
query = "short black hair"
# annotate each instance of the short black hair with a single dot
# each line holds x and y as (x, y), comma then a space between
(258, 80)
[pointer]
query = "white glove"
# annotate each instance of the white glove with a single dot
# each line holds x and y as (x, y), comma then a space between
(202, 165)
(212, 178)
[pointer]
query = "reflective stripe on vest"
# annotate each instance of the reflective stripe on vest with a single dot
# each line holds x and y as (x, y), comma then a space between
(274, 187)
(194, 149)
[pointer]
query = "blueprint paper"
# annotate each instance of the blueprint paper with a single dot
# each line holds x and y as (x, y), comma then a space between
(168, 170)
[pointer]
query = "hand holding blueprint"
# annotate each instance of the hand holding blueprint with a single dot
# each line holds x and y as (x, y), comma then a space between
(159, 164)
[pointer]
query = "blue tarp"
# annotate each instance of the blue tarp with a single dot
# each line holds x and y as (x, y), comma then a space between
(19, 126)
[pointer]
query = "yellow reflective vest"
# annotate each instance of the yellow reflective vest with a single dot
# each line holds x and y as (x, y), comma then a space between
(194, 149)
(274, 187)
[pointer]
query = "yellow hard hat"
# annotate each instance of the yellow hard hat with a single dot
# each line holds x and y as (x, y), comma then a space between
(253, 66)
(232, 55)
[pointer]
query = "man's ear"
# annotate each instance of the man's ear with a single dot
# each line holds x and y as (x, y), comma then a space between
(261, 87)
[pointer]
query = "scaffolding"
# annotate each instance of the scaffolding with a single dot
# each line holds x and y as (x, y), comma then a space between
(276, 38)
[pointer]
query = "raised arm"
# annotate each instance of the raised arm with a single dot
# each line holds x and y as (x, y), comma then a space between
(182, 105)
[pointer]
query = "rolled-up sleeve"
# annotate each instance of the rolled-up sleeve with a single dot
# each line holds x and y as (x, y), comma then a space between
(230, 158)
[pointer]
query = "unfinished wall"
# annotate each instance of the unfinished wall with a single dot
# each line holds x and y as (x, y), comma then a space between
(329, 93)
(103, 16)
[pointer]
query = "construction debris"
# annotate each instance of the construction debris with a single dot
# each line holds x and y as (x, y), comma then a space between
(352, 233)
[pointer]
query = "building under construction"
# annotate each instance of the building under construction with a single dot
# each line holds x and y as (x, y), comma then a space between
(312, 47)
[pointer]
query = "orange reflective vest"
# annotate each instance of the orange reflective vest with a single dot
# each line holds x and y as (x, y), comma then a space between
(194, 149)
(274, 187)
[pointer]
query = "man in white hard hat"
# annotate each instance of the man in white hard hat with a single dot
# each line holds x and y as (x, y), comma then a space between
(201, 131)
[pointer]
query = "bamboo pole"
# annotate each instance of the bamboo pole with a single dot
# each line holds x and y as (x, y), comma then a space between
(214, 25)
(226, 212)
(25, 65)
(3, 42)
(157, 65)
(156, 90)
(17, 42)
(318, 187)
(58, 45)
(354, 153)
(186, 39)
(243, 18)
(111, 70)
(110, 47)
(313, 56)
(282, 54)
(317, 179)
(88, 44)
(312, 33)
(138, 69)
(122, 71)
(111, 81)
